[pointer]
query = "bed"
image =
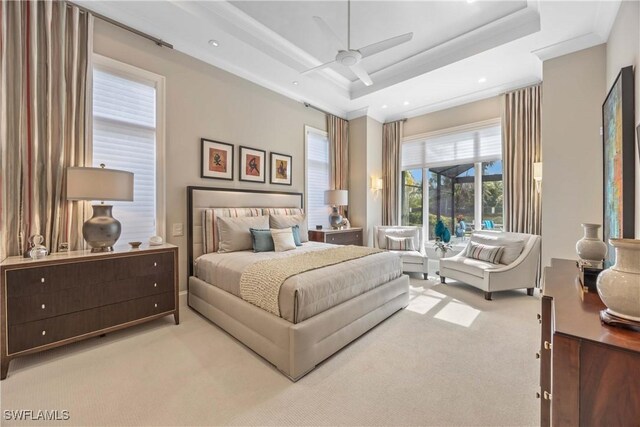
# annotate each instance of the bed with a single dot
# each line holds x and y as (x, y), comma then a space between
(321, 310)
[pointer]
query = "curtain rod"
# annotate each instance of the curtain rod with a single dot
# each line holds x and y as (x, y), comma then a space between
(156, 40)
(306, 104)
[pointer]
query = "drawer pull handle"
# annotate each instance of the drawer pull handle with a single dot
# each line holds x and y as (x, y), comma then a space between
(42, 280)
(44, 332)
(155, 285)
(155, 264)
(547, 345)
(547, 395)
(155, 305)
(42, 306)
(537, 355)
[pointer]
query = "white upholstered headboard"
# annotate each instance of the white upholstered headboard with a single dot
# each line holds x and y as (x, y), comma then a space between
(199, 198)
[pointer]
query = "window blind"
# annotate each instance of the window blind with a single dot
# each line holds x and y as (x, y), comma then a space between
(475, 144)
(124, 137)
(317, 179)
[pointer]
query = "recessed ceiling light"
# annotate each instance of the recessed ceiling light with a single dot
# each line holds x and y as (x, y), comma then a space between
(405, 103)
(482, 80)
(214, 43)
(295, 83)
(384, 106)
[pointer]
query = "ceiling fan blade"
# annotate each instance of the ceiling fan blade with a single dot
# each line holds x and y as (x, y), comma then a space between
(374, 48)
(362, 74)
(319, 67)
(329, 33)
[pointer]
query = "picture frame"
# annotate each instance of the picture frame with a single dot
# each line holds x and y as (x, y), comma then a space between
(216, 159)
(252, 164)
(281, 167)
(618, 161)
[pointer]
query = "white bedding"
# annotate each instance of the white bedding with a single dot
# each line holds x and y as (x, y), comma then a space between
(307, 294)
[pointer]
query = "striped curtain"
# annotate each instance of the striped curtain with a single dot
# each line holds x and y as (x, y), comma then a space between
(45, 51)
(522, 148)
(338, 134)
(391, 147)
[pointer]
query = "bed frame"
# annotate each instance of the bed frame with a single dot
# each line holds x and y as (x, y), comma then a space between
(295, 349)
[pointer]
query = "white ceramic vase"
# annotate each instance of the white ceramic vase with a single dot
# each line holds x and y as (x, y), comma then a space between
(590, 247)
(619, 286)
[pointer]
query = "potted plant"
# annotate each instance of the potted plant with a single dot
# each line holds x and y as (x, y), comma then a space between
(442, 247)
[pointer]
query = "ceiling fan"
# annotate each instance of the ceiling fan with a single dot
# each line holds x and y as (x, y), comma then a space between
(351, 57)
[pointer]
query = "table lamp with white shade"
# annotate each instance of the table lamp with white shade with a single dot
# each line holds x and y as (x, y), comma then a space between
(102, 230)
(336, 198)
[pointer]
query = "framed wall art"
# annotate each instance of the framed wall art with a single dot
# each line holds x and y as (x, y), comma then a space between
(252, 164)
(280, 169)
(619, 161)
(216, 160)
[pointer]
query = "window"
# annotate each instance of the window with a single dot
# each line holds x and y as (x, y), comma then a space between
(318, 176)
(412, 197)
(127, 135)
(463, 178)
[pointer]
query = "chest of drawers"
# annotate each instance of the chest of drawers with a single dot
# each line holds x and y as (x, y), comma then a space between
(347, 236)
(69, 297)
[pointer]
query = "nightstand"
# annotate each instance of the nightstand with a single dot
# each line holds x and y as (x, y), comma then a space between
(347, 236)
(70, 296)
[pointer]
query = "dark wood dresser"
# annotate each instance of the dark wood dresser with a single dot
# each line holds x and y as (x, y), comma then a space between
(589, 372)
(67, 297)
(347, 236)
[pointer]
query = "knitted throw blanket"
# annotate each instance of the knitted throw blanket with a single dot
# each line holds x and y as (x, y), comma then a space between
(260, 283)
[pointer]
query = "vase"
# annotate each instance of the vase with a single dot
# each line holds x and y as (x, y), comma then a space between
(619, 286)
(590, 247)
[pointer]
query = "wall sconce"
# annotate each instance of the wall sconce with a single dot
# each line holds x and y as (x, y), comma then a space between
(376, 184)
(537, 175)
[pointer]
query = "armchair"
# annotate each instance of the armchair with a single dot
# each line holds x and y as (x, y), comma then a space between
(518, 269)
(412, 261)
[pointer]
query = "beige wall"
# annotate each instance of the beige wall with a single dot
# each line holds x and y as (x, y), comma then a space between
(572, 88)
(204, 101)
(623, 49)
(473, 112)
(365, 160)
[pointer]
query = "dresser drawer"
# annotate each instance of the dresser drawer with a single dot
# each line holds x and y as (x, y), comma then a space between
(352, 238)
(89, 295)
(42, 332)
(54, 278)
(143, 265)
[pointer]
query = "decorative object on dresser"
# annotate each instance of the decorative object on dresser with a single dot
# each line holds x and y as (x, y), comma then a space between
(588, 371)
(101, 231)
(347, 236)
(252, 164)
(36, 249)
(619, 161)
(216, 160)
(72, 296)
(280, 169)
(590, 248)
(336, 198)
(619, 285)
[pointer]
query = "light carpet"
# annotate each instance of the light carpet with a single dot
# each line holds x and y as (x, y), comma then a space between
(450, 358)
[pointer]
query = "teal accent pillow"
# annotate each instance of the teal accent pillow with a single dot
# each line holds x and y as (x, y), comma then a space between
(296, 235)
(262, 240)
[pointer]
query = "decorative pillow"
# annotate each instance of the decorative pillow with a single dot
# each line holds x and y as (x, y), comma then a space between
(262, 240)
(296, 235)
(287, 221)
(210, 234)
(482, 252)
(283, 239)
(400, 243)
(235, 234)
(513, 245)
(414, 233)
